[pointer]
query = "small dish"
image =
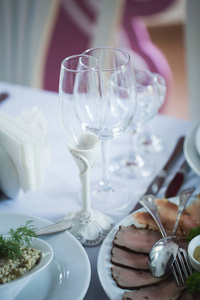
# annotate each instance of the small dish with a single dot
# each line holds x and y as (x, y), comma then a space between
(191, 247)
(10, 289)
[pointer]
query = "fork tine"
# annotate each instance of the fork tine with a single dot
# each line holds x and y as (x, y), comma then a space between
(181, 267)
(182, 263)
(185, 256)
(178, 269)
(175, 275)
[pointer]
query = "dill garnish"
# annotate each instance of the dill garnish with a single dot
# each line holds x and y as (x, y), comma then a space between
(21, 237)
(192, 233)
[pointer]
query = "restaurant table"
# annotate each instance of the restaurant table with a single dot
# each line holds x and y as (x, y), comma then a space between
(58, 196)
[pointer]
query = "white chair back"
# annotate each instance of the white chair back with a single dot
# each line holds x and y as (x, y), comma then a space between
(25, 30)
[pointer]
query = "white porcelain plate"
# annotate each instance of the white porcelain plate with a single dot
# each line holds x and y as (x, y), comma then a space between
(103, 262)
(197, 139)
(190, 151)
(67, 276)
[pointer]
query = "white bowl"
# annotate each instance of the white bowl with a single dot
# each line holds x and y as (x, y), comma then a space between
(191, 247)
(10, 289)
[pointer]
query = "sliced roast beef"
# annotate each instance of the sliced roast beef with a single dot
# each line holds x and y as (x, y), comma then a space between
(136, 239)
(133, 279)
(186, 296)
(129, 259)
(166, 290)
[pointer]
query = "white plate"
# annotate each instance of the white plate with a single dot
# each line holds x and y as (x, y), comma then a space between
(197, 139)
(104, 264)
(68, 275)
(190, 151)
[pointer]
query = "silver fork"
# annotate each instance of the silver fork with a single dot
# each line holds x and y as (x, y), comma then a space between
(182, 265)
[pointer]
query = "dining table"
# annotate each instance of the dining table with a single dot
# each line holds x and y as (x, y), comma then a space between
(59, 194)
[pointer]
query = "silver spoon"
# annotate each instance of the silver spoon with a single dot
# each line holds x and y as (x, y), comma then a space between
(164, 251)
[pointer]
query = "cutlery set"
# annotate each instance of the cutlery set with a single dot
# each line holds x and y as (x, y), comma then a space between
(167, 253)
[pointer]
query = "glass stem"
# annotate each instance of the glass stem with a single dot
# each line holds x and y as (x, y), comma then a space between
(85, 181)
(133, 145)
(105, 181)
(134, 157)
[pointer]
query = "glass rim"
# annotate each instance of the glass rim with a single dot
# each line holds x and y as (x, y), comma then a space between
(111, 48)
(79, 56)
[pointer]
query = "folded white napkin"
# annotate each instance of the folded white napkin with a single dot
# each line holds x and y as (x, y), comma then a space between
(24, 138)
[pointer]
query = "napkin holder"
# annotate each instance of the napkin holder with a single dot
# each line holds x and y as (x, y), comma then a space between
(23, 150)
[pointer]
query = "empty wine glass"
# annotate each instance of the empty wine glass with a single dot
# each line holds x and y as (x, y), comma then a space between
(120, 92)
(134, 165)
(82, 108)
(148, 140)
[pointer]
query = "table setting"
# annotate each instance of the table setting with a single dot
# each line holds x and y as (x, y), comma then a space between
(54, 145)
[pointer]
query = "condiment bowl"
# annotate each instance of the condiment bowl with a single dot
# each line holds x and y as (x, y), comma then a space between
(191, 247)
(10, 289)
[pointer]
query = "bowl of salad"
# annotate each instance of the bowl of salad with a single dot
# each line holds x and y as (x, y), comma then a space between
(22, 256)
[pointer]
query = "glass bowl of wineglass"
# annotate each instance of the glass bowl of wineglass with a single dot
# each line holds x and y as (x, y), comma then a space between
(82, 109)
(134, 165)
(148, 141)
(120, 93)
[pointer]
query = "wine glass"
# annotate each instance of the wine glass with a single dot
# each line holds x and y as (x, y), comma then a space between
(120, 93)
(82, 108)
(148, 140)
(134, 165)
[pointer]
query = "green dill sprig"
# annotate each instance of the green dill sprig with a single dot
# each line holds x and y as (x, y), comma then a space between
(192, 233)
(21, 237)
(193, 283)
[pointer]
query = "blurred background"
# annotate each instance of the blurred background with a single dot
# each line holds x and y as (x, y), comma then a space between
(36, 35)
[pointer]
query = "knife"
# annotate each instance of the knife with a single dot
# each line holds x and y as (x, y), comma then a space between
(55, 228)
(157, 182)
(3, 96)
(177, 181)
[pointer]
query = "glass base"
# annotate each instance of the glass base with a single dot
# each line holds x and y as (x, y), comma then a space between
(151, 143)
(89, 228)
(109, 199)
(136, 168)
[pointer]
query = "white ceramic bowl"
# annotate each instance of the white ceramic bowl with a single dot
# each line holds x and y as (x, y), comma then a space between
(10, 289)
(191, 247)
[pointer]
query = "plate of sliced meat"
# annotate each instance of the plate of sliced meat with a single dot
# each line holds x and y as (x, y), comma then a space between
(123, 257)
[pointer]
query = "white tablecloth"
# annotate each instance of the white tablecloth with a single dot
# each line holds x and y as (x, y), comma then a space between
(59, 195)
